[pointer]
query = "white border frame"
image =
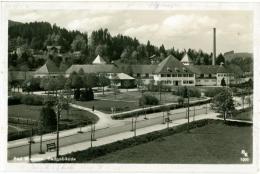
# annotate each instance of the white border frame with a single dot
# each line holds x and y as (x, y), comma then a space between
(137, 5)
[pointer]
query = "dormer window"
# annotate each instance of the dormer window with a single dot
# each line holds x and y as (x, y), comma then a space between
(169, 69)
(177, 70)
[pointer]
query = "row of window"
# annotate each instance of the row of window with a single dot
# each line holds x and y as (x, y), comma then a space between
(169, 82)
(187, 81)
(176, 75)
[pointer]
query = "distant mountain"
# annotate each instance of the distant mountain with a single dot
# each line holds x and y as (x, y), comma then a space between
(13, 23)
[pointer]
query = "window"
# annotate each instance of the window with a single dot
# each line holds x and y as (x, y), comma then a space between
(147, 75)
(210, 76)
(163, 75)
(168, 75)
(138, 75)
(185, 75)
(190, 81)
(202, 75)
(190, 75)
(174, 75)
(179, 75)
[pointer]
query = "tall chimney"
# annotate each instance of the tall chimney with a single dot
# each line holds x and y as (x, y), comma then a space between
(214, 46)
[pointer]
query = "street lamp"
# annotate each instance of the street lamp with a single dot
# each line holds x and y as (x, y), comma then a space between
(186, 95)
(31, 141)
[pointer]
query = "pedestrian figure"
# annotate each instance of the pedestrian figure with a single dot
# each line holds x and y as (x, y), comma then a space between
(93, 108)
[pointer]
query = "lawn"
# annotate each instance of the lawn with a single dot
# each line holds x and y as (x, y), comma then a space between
(247, 115)
(106, 105)
(126, 101)
(133, 96)
(75, 116)
(215, 143)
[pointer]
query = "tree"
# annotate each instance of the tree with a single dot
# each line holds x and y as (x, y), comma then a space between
(47, 121)
(220, 59)
(223, 102)
(103, 81)
(79, 44)
(223, 82)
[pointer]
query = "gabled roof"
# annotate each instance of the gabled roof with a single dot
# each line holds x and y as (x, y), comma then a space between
(99, 60)
(235, 69)
(209, 69)
(223, 69)
(48, 67)
(93, 68)
(171, 65)
(123, 76)
(186, 58)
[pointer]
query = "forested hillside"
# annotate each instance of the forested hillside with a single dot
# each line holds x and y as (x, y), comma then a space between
(32, 39)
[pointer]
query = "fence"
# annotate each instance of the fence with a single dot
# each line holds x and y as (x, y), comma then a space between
(24, 121)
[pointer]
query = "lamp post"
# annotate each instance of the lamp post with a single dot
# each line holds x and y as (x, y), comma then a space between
(186, 95)
(30, 145)
(58, 122)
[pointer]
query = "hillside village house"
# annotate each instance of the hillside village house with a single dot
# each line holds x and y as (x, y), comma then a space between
(169, 72)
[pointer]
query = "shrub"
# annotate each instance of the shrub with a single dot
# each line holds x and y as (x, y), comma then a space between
(14, 100)
(32, 100)
(77, 94)
(148, 100)
(211, 92)
(86, 95)
(180, 101)
(193, 92)
(156, 109)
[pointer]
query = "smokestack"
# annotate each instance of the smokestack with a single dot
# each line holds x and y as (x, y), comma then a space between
(214, 46)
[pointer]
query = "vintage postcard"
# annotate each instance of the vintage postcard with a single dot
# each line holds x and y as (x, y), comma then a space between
(130, 86)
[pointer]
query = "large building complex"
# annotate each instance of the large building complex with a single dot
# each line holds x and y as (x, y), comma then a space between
(169, 72)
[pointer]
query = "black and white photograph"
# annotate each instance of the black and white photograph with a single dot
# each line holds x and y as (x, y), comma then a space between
(130, 85)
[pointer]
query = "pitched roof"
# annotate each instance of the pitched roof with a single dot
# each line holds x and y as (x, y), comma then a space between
(171, 64)
(186, 58)
(137, 69)
(93, 68)
(99, 60)
(48, 67)
(209, 69)
(123, 76)
(235, 69)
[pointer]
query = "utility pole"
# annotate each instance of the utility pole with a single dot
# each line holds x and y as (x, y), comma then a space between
(163, 117)
(188, 128)
(135, 125)
(30, 146)
(132, 124)
(91, 136)
(168, 119)
(194, 113)
(58, 122)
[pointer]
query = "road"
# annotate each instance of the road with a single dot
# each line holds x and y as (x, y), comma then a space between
(107, 128)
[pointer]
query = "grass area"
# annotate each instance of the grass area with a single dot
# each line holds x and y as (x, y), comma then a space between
(214, 143)
(133, 96)
(75, 116)
(106, 105)
(247, 115)
(126, 101)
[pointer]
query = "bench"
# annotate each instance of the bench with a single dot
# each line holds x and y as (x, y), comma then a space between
(51, 146)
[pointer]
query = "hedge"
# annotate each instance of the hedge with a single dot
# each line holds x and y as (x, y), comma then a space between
(193, 92)
(98, 151)
(32, 100)
(156, 109)
(148, 100)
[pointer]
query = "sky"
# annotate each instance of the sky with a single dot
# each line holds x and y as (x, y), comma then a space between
(181, 29)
